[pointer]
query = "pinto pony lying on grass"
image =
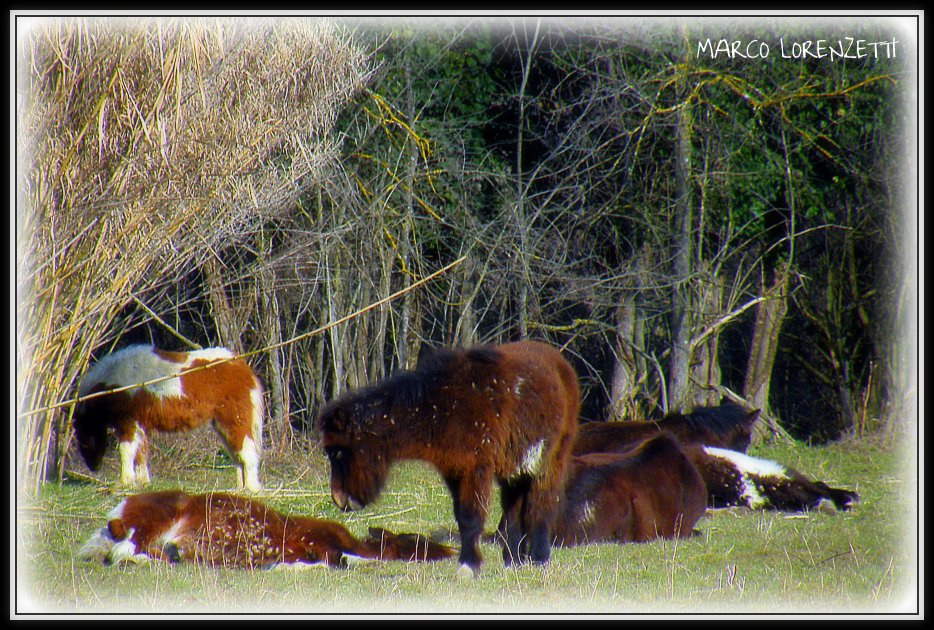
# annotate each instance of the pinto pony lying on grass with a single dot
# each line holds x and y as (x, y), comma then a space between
(227, 394)
(221, 529)
(737, 479)
(506, 413)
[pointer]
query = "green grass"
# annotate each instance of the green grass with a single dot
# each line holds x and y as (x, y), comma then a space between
(863, 561)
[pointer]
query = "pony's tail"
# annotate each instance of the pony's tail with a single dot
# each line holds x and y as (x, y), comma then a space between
(384, 545)
(259, 413)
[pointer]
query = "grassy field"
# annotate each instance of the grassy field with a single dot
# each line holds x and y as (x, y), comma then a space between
(861, 562)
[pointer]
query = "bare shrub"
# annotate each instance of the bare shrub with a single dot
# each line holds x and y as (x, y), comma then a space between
(145, 146)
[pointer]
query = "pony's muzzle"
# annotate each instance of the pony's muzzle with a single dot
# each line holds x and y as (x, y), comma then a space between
(344, 501)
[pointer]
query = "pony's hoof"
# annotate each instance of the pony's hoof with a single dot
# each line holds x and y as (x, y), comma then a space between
(464, 571)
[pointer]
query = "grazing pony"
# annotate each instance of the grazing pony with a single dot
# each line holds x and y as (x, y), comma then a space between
(652, 491)
(505, 412)
(221, 529)
(736, 479)
(228, 394)
(726, 426)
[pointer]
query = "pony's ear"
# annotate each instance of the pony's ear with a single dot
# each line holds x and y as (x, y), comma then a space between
(335, 419)
(752, 416)
(117, 529)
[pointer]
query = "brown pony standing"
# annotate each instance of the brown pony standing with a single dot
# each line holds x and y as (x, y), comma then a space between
(505, 412)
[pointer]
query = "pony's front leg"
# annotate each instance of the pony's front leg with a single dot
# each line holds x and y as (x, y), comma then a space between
(470, 510)
(510, 531)
(140, 463)
(131, 446)
(537, 520)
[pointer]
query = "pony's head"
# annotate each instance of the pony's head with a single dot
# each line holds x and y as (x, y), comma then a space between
(356, 453)
(739, 436)
(91, 435)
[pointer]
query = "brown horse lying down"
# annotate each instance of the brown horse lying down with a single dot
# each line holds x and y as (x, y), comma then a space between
(652, 491)
(725, 426)
(227, 530)
(732, 478)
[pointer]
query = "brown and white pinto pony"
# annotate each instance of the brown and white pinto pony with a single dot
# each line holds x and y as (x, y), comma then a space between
(220, 529)
(652, 491)
(737, 479)
(227, 394)
(506, 413)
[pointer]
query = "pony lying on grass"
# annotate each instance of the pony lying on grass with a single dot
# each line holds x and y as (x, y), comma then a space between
(652, 491)
(228, 395)
(506, 413)
(221, 529)
(725, 426)
(732, 478)
(736, 479)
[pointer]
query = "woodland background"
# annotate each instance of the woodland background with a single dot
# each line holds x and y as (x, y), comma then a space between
(684, 228)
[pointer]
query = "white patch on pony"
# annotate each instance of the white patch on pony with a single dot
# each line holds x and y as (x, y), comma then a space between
(256, 397)
(128, 452)
(747, 464)
(134, 364)
(532, 460)
(588, 514)
(464, 571)
(97, 547)
(126, 550)
(751, 493)
(207, 354)
(249, 465)
(517, 388)
(140, 364)
(351, 560)
(117, 512)
(296, 566)
(173, 533)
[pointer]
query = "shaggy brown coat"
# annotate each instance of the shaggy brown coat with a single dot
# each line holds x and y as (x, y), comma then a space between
(506, 413)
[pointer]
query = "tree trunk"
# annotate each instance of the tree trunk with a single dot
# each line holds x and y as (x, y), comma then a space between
(277, 428)
(227, 321)
(770, 314)
(625, 371)
(705, 371)
(681, 302)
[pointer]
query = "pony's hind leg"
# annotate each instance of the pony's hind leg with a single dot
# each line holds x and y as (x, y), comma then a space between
(246, 458)
(130, 451)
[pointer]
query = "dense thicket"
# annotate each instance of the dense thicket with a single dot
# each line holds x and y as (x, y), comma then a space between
(686, 227)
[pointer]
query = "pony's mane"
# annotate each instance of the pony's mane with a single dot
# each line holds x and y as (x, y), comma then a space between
(721, 419)
(412, 388)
